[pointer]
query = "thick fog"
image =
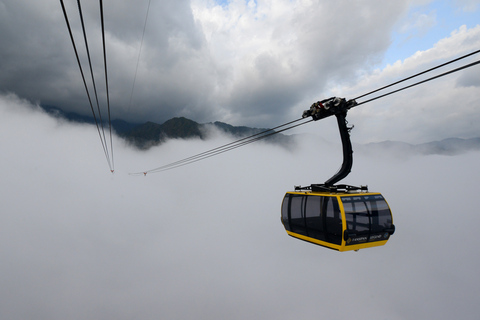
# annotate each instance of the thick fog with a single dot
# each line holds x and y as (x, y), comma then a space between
(205, 241)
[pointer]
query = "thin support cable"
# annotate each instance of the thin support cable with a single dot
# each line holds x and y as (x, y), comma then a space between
(227, 147)
(230, 144)
(138, 58)
(106, 83)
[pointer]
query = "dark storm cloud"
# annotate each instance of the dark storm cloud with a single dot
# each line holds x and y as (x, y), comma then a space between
(182, 69)
(31, 55)
(38, 63)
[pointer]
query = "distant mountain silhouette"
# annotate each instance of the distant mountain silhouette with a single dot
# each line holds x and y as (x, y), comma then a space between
(150, 133)
(120, 126)
(450, 146)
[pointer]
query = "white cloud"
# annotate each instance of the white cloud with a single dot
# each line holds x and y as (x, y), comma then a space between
(205, 241)
(276, 54)
(468, 5)
(419, 22)
(443, 108)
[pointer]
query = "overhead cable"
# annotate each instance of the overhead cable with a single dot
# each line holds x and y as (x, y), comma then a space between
(264, 134)
(93, 81)
(227, 147)
(420, 82)
(84, 81)
(106, 83)
(418, 74)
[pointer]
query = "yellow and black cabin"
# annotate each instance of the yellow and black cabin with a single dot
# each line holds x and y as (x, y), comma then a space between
(339, 221)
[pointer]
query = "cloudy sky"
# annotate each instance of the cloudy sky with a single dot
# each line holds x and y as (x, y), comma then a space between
(205, 241)
(254, 63)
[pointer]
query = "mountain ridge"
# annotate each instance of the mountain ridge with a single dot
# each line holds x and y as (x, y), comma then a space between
(448, 146)
(148, 134)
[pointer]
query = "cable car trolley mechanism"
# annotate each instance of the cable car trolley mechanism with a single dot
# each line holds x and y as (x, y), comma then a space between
(340, 217)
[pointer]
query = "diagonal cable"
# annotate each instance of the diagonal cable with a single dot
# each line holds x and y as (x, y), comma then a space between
(227, 147)
(420, 73)
(420, 82)
(262, 135)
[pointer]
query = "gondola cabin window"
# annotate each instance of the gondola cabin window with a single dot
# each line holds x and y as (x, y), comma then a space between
(297, 216)
(315, 217)
(368, 218)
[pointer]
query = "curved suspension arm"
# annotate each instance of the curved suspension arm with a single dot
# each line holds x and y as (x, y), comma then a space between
(337, 107)
(347, 150)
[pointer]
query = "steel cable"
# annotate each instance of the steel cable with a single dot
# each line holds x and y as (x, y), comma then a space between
(420, 82)
(104, 142)
(418, 74)
(254, 138)
(106, 84)
(83, 78)
(227, 147)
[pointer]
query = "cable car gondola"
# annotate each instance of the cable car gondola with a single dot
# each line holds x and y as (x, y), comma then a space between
(339, 217)
(338, 220)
